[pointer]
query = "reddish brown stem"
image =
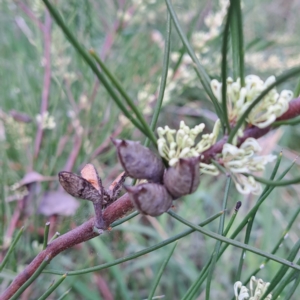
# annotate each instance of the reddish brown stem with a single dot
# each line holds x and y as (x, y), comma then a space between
(76, 236)
(120, 208)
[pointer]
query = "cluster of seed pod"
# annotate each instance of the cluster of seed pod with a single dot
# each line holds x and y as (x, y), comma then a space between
(164, 185)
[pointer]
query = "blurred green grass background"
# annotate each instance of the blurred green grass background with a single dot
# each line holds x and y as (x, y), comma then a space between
(129, 36)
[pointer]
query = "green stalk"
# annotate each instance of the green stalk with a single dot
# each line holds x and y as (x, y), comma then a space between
(160, 272)
(282, 271)
(11, 248)
(275, 183)
(285, 282)
(221, 238)
(57, 234)
(203, 76)
(164, 75)
(46, 233)
(224, 67)
(64, 295)
(292, 122)
(218, 243)
(237, 39)
(87, 58)
(126, 97)
(276, 247)
(31, 279)
(137, 254)
(204, 272)
(119, 222)
(53, 288)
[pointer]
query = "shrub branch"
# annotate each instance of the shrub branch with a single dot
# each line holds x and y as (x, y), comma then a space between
(122, 207)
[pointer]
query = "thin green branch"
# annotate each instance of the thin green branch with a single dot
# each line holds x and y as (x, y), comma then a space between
(164, 76)
(87, 58)
(46, 233)
(242, 119)
(282, 271)
(119, 222)
(218, 243)
(235, 243)
(53, 288)
(121, 90)
(137, 254)
(204, 272)
(285, 282)
(203, 76)
(11, 248)
(237, 39)
(160, 272)
(275, 183)
(292, 122)
(31, 279)
(224, 67)
(276, 247)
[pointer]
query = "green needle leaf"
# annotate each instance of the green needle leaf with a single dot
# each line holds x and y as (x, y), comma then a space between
(121, 90)
(137, 254)
(204, 78)
(88, 59)
(53, 288)
(164, 76)
(234, 243)
(160, 272)
(11, 248)
(275, 183)
(46, 233)
(31, 279)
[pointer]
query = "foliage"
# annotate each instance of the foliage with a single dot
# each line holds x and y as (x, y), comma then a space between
(63, 119)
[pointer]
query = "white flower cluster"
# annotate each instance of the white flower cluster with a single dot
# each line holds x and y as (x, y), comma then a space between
(46, 120)
(239, 98)
(245, 160)
(173, 145)
(242, 293)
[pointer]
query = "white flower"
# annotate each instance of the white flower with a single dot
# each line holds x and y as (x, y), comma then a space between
(245, 160)
(242, 293)
(238, 99)
(46, 120)
(173, 145)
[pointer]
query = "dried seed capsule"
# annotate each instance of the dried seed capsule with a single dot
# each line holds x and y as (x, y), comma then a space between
(150, 198)
(138, 161)
(184, 178)
(78, 186)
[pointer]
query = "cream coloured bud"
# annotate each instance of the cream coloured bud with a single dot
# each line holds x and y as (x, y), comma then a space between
(184, 178)
(138, 161)
(150, 198)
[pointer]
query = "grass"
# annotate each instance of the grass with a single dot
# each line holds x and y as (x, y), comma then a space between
(85, 116)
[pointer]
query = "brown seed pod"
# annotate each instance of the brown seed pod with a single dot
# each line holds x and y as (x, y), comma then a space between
(184, 178)
(138, 161)
(78, 186)
(150, 198)
(90, 174)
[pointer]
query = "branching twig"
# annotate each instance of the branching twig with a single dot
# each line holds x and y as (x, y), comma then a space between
(120, 208)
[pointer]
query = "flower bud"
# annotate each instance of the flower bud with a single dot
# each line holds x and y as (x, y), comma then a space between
(150, 198)
(184, 178)
(138, 161)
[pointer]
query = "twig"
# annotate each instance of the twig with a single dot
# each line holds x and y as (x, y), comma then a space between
(76, 236)
(117, 210)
